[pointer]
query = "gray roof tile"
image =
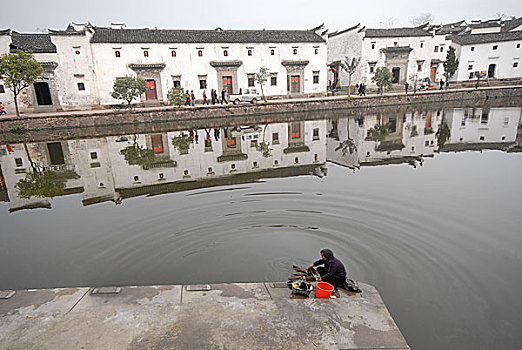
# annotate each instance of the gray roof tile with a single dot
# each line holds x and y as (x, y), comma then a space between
(108, 35)
(395, 32)
(469, 39)
(512, 24)
(37, 43)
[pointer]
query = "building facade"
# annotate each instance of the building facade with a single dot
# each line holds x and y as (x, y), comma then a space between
(82, 62)
(417, 54)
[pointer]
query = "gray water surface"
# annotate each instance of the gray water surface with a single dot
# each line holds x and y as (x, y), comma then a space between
(441, 241)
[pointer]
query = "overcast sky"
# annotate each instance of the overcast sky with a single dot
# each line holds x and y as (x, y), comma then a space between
(37, 15)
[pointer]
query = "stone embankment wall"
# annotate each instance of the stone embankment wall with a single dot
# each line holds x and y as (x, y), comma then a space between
(145, 119)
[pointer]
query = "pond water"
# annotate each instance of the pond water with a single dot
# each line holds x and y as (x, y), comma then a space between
(425, 205)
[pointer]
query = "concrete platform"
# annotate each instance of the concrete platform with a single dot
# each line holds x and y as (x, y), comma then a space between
(228, 316)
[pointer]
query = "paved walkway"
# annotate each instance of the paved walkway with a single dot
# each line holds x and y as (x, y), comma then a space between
(228, 316)
(276, 101)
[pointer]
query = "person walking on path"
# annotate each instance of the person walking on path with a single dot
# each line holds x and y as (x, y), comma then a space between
(2, 109)
(363, 89)
(193, 97)
(223, 96)
(406, 86)
(212, 96)
(205, 101)
(187, 99)
(441, 83)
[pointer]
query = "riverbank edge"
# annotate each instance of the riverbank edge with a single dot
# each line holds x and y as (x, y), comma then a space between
(98, 118)
(231, 315)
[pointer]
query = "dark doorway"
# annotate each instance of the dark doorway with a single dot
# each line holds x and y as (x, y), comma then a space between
(43, 94)
(55, 153)
(227, 84)
(491, 70)
(396, 71)
(150, 93)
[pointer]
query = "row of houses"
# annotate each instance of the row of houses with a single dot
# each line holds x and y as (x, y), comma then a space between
(491, 49)
(81, 62)
(98, 169)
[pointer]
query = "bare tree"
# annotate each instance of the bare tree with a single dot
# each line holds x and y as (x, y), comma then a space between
(387, 23)
(421, 19)
(350, 65)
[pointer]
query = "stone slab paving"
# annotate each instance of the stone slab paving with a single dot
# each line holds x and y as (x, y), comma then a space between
(228, 316)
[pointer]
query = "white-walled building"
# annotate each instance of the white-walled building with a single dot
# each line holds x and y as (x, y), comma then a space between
(82, 62)
(409, 53)
(494, 55)
(417, 53)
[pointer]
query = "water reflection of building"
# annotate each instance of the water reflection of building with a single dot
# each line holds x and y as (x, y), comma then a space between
(482, 128)
(18, 160)
(117, 167)
(383, 139)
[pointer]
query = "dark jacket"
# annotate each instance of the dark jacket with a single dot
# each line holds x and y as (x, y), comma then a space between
(334, 266)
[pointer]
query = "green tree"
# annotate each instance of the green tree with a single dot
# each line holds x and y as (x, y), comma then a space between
(128, 88)
(383, 77)
(176, 96)
(350, 66)
(18, 71)
(451, 64)
(261, 77)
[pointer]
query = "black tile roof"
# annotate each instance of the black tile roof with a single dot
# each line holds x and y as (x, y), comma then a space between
(5, 31)
(395, 32)
(130, 36)
(37, 43)
(469, 39)
(344, 30)
(512, 24)
(484, 25)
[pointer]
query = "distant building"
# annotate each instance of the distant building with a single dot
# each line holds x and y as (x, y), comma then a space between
(416, 54)
(82, 62)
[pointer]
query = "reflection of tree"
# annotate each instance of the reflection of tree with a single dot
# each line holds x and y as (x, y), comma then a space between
(379, 132)
(264, 146)
(182, 142)
(347, 146)
(138, 155)
(41, 184)
(443, 134)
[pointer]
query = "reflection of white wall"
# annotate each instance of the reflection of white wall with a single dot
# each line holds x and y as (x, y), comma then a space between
(14, 173)
(476, 125)
(198, 161)
(418, 143)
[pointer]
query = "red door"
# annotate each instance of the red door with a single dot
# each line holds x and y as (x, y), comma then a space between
(294, 84)
(150, 93)
(227, 84)
(433, 73)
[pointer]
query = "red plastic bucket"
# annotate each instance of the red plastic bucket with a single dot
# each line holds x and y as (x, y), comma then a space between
(324, 290)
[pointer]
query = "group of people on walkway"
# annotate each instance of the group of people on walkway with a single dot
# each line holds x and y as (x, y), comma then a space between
(190, 97)
(361, 89)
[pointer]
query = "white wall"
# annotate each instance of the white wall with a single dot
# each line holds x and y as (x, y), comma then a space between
(484, 55)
